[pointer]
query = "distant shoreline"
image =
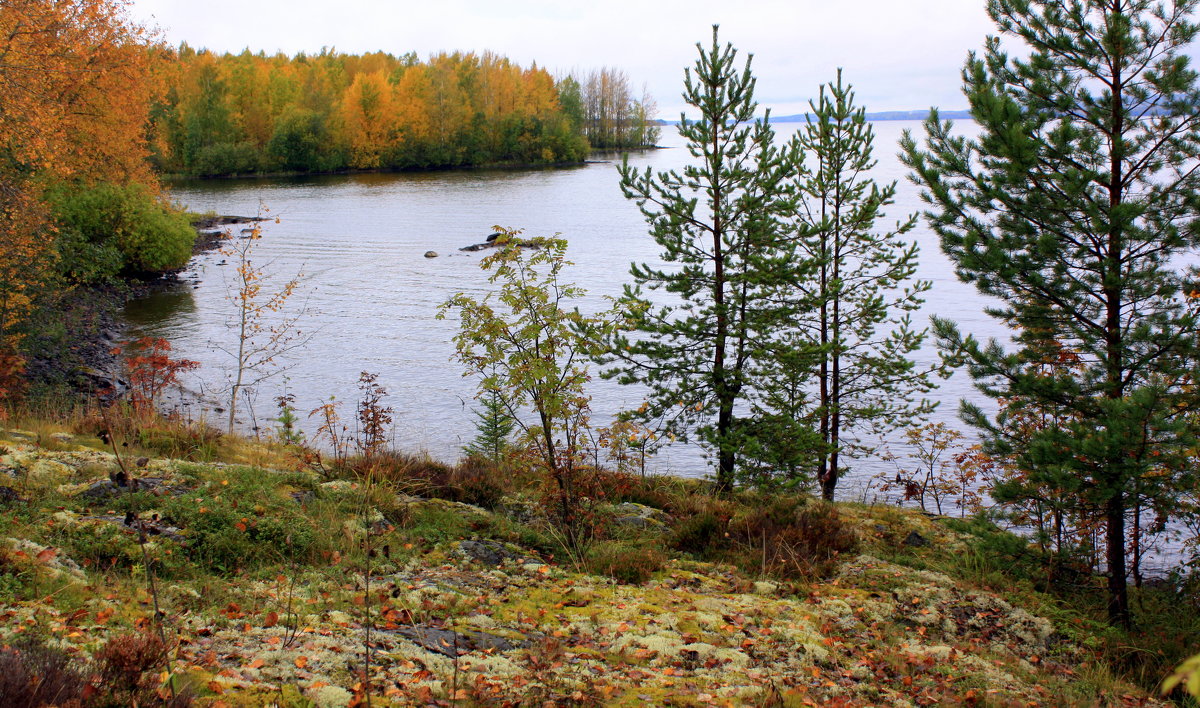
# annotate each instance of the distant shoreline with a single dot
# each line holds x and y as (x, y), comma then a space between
(878, 116)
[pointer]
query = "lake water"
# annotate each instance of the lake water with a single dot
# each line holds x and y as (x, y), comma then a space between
(372, 297)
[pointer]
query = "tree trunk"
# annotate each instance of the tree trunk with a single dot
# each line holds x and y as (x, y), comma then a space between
(1118, 591)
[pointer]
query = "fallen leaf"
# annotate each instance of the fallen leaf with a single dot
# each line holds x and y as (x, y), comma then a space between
(271, 619)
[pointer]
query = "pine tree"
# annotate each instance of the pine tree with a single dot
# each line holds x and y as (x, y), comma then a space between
(859, 304)
(719, 226)
(1074, 208)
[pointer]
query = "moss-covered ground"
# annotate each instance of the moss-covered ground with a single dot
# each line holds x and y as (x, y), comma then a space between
(278, 584)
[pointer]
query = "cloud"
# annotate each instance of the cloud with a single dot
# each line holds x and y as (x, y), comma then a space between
(898, 53)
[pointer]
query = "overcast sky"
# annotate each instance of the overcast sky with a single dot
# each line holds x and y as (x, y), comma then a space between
(898, 54)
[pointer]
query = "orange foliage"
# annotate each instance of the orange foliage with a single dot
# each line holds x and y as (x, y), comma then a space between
(75, 88)
(76, 84)
(368, 118)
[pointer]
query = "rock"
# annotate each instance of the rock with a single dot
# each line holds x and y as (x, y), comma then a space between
(495, 243)
(100, 490)
(765, 588)
(916, 540)
(647, 512)
(641, 517)
(431, 254)
(105, 488)
(455, 644)
(493, 237)
(154, 527)
(525, 511)
(489, 553)
(52, 469)
(339, 486)
(8, 495)
(304, 496)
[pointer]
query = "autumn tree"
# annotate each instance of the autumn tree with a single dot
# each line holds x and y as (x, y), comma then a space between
(1076, 208)
(225, 113)
(719, 225)
(76, 90)
(530, 349)
(263, 332)
(367, 117)
(612, 117)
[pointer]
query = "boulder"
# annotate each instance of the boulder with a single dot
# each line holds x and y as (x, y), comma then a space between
(641, 517)
(431, 254)
(489, 553)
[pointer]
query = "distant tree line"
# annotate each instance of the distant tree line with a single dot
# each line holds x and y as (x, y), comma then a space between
(252, 113)
(610, 115)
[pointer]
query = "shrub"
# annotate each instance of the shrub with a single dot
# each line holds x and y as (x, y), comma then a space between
(245, 523)
(106, 229)
(699, 535)
(33, 675)
(624, 563)
(128, 664)
(791, 538)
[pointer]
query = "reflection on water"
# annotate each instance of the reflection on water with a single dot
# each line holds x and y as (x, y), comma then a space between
(161, 310)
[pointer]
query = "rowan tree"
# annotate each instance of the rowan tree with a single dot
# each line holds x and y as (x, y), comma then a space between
(1073, 208)
(530, 349)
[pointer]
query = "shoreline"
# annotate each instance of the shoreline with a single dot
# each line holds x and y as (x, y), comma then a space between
(176, 178)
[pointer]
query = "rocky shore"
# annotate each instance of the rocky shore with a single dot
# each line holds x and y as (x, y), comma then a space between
(272, 580)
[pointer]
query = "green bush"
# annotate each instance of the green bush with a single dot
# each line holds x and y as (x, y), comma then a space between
(109, 229)
(247, 523)
(699, 535)
(223, 159)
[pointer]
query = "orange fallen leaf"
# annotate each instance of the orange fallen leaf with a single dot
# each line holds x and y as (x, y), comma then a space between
(301, 662)
(256, 664)
(271, 619)
(47, 555)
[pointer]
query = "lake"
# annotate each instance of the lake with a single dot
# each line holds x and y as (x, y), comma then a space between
(371, 297)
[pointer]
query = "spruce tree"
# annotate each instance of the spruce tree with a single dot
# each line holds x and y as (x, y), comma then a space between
(494, 424)
(719, 226)
(1074, 209)
(856, 310)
